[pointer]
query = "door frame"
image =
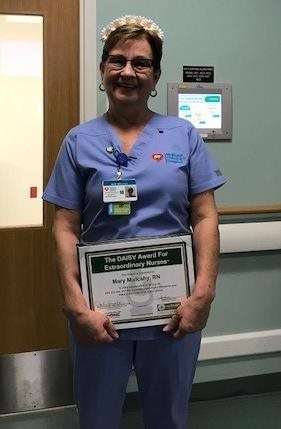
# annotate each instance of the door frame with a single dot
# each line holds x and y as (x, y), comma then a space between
(88, 60)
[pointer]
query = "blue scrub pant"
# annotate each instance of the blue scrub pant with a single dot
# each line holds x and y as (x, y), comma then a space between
(164, 369)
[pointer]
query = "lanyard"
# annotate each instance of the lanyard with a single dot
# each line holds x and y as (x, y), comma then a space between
(121, 159)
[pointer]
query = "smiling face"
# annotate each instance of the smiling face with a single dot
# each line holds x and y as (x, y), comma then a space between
(128, 86)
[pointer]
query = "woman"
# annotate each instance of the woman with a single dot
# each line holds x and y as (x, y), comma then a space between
(175, 178)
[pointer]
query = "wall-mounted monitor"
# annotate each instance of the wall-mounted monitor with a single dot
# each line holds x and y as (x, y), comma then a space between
(208, 106)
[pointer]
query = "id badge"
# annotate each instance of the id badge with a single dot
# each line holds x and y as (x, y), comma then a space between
(119, 209)
(119, 191)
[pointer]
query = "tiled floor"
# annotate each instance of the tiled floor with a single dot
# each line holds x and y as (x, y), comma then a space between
(246, 412)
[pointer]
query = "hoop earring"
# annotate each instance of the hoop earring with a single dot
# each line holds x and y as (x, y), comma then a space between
(101, 87)
(153, 93)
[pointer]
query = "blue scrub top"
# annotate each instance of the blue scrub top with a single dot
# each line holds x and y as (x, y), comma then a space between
(169, 161)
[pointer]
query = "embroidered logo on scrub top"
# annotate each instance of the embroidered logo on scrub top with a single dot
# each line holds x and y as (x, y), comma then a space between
(157, 156)
(176, 158)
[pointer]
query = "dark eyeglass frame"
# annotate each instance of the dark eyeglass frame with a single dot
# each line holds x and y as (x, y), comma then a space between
(139, 64)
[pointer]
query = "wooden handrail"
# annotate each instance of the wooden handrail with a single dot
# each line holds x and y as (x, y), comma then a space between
(260, 209)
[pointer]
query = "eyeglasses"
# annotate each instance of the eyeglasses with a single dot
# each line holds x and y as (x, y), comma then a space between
(139, 64)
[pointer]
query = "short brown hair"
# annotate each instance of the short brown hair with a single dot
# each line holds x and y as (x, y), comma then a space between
(126, 32)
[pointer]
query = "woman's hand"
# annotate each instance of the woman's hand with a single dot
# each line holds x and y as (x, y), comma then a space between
(89, 326)
(93, 327)
(190, 316)
(193, 313)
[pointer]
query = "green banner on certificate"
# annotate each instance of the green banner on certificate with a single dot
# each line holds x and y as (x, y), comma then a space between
(135, 260)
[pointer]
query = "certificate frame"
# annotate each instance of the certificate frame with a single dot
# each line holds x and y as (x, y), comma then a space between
(137, 282)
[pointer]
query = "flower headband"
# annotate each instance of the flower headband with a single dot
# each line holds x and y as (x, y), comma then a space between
(140, 21)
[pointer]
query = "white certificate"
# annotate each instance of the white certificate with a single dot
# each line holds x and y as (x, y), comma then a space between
(137, 282)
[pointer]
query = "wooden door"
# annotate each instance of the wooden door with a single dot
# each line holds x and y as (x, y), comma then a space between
(30, 308)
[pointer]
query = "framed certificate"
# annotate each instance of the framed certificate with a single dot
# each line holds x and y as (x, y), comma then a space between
(137, 282)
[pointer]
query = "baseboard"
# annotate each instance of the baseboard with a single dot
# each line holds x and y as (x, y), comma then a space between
(235, 387)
